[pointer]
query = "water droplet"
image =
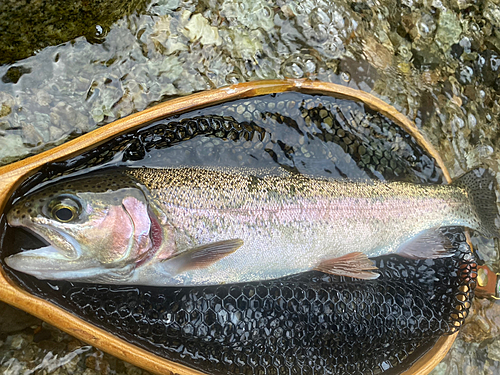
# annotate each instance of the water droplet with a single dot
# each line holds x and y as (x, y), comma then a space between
(346, 77)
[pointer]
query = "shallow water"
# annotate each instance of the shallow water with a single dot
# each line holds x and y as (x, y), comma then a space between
(436, 61)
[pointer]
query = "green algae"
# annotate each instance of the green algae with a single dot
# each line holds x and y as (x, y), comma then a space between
(29, 26)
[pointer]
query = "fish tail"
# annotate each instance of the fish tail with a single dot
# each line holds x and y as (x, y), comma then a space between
(480, 186)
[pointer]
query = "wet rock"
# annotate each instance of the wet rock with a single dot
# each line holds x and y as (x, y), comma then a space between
(18, 342)
(31, 136)
(244, 45)
(426, 26)
(251, 14)
(488, 63)
(494, 350)
(483, 322)
(59, 354)
(326, 28)
(132, 370)
(378, 55)
(72, 364)
(487, 249)
(197, 28)
(492, 12)
(163, 39)
(13, 320)
(11, 367)
(463, 4)
(5, 110)
(464, 358)
(14, 74)
(28, 26)
(364, 9)
(448, 30)
(299, 65)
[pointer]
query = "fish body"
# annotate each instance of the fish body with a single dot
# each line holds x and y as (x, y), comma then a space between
(195, 226)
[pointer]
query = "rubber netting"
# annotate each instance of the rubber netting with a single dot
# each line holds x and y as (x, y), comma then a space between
(311, 323)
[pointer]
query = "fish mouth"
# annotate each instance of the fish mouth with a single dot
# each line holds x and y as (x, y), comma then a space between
(61, 242)
(48, 263)
(61, 257)
(43, 263)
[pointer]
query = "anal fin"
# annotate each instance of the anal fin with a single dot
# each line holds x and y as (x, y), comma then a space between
(205, 255)
(430, 244)
(355, 265)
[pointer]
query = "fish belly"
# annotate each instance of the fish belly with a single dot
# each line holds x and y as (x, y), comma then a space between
(275, 244)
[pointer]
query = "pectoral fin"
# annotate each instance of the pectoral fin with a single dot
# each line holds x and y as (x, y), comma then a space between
(205, 255)
(430, 244)
(355, 265)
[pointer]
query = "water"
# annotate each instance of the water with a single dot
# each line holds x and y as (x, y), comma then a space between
(437, 62)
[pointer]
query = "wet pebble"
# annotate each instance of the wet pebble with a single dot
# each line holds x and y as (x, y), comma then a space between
(18, 342)
(494, 350)
(483, 322)
(449, 29)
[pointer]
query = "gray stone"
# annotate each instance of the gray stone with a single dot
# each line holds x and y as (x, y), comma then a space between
(448, 30)
(13, 320)
(494, 350)
(18, 342)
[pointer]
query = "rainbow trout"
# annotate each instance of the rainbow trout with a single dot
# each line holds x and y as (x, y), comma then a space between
(194, 226)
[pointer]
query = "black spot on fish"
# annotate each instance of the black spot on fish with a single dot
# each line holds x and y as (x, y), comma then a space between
(254, 183)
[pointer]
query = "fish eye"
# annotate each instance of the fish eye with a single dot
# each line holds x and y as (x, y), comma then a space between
(63, 214)
(65, 210)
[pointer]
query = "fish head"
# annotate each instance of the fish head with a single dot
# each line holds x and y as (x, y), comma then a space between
(93, 226)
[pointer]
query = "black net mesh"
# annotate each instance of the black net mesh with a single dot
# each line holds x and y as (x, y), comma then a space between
(304, 324)
(297, 136)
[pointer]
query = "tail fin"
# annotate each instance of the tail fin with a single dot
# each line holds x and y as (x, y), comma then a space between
(480, 185)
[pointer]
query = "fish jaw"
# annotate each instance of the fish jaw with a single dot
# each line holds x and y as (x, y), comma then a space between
(62, 256)
(50, 263)
(42, 228)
